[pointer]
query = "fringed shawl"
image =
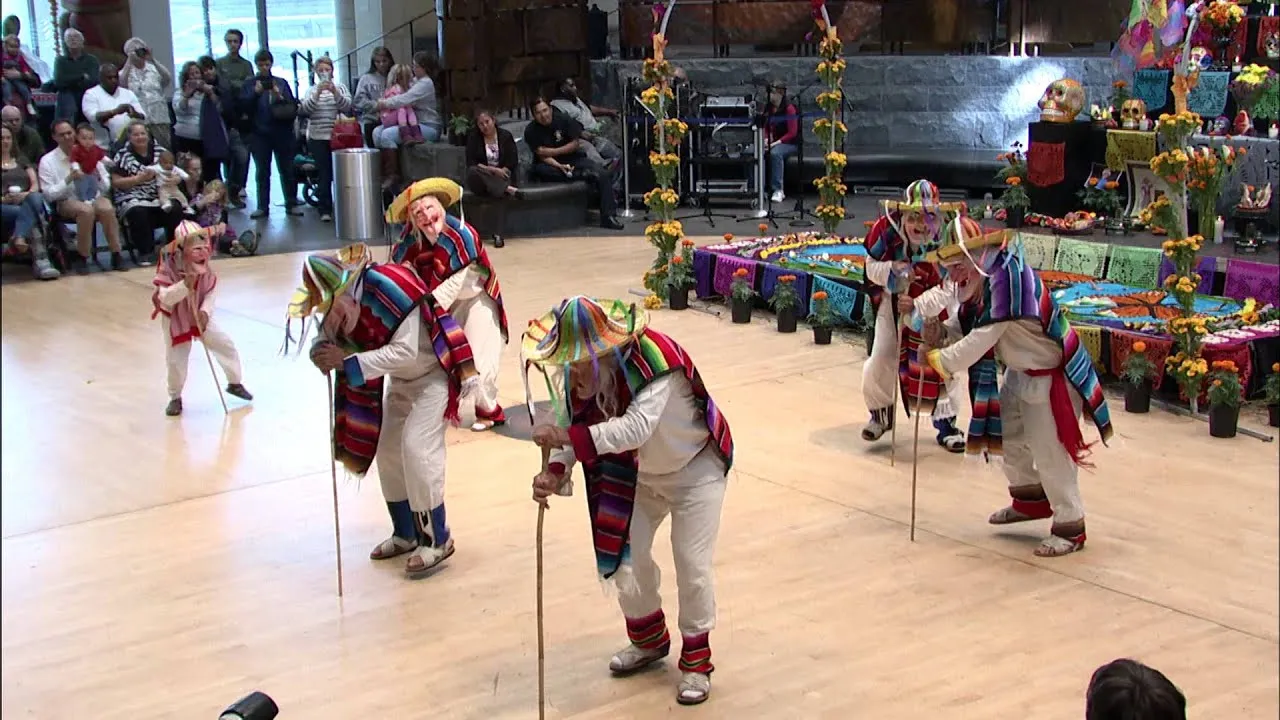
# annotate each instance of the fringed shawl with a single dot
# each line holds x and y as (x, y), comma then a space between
(1014, 292)
(183, 326)
(611, 479)
(457, 248)
(391, 295)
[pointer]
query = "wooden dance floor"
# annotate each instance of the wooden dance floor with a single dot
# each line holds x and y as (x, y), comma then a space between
(160, 567)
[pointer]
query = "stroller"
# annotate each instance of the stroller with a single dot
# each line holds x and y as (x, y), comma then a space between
(305, 172)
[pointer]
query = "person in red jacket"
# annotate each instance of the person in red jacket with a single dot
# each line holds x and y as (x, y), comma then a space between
(781, 136)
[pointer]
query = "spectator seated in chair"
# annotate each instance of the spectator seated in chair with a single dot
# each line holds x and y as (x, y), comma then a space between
(136, 186)
(57, 180)
(23, 209)
(556, 142)
(597, 147)
(109, 107)
(27, 143)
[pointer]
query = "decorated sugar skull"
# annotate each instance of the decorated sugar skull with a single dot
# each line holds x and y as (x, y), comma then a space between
(1062, 101)
(1271, 44)
(1200, 59)
(1131, 113)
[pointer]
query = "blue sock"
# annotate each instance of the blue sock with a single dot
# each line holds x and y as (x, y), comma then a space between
(402, 524)
(439, 527)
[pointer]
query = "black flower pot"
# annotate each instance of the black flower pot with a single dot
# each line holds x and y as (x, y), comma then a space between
(822, 336)
(1014, 217)
(1273, 415)
(1137, 397)
(787, 320)
(1223, 420)
(679, 298)
(741, 310)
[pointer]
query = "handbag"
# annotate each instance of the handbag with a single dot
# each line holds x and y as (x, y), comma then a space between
(346, 134)
(284, 111)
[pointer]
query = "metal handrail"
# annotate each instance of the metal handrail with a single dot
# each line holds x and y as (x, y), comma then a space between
(348, 56)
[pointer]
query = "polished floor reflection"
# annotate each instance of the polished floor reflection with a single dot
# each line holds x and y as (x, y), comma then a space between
(161, 567)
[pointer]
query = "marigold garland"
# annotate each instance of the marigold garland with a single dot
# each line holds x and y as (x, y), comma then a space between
(665, 233)
(829, 130)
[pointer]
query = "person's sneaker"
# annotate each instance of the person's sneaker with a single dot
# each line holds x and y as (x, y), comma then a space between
(498, 241)
(326, 217)
(44, 270)
(259, 214)
(239, 391)
(292, 211)
(174, 408)
(611, 223)
(117, 262)
(79, 263)
(778, 197)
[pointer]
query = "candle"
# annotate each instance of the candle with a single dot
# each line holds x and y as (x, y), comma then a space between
(1274, 132)
(1236, 66)
(1217, 230)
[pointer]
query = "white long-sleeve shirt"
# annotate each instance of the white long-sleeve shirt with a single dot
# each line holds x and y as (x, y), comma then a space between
(54, 171)
(1020, 344)
(663, 424)
(177, 292)
(97, 100)
(461, 286)
(409, 355)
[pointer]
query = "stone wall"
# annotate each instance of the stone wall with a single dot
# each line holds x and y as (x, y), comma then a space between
(971, 101)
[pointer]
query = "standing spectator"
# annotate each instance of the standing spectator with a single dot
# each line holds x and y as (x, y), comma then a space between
(110, 108)
(556, 142)
(421, 98)
(598, 147)
(233, 70)
(57, 179)
(22, 207)
(18, 78)
(27, 142)
(215, 127)
(492, 160)
(150, 81)
(325, 100)
(369, 90)
(73, 72)
(269, 102)
(137, 192)
(198, 128)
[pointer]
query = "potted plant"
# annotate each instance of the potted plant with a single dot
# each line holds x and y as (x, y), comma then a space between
(680, 277)
(784, 302)
(1104, 201)
(459, 126)
(1272, 388)
(821, 319)
(1224, 399)
(740, 296)
(1138, 373)
(1014, 200)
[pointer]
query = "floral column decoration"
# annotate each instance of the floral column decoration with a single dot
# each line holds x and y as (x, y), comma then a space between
(829, 130)
(665, 233)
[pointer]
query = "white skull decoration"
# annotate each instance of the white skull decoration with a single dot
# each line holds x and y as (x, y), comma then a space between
(1131, 113)
(1271, 44)
(1200, 59)
(1062, 101)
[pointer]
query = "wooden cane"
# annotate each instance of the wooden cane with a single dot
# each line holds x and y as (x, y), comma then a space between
(893, 409)
(195, 316)
(542, 657)
(915, 446)
(333, 474)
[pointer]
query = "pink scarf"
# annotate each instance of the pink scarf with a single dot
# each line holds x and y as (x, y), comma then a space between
(182, 320)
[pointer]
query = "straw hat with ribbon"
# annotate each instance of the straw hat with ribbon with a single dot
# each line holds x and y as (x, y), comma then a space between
(921, 196)
(963, 236)
(325, 276)
(582, 329)
(448, 192)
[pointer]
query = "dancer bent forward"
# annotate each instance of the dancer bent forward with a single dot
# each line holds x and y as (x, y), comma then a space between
(1032, 417)
(651, 443)
(185, 288)
(896, 270)
(448, 255)
(379, 320)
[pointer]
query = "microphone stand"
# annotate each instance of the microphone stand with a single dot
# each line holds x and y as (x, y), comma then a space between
(626, 212)
(798, 213)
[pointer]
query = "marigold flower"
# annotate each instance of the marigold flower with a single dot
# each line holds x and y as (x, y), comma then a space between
(820, 295)
(740, 273)
(1139, 346)
(728, 237)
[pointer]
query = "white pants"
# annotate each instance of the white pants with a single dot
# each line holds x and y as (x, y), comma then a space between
(1033, 456)
(880, 372)
(177, 357)
(479, 318)
(410, 453)
(693, 497)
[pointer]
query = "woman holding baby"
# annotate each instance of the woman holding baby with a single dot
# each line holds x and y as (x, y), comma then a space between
(142, 171)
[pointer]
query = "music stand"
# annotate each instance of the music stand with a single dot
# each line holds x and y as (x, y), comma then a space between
(764, 206)
(798, 213)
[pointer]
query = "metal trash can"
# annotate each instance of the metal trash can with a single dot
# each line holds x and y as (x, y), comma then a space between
(357, 180)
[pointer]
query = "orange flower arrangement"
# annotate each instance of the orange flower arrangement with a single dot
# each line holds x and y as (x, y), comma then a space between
(728, 237)
(821, 315)
(764, 227)
(740, 273)
(1013, 180)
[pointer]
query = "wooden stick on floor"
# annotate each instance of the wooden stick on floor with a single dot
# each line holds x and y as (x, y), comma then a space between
(542, 657)
(195, 317)
(915, 449)
(333, 474)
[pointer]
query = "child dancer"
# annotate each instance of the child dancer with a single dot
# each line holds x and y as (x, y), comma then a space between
(183, 298)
